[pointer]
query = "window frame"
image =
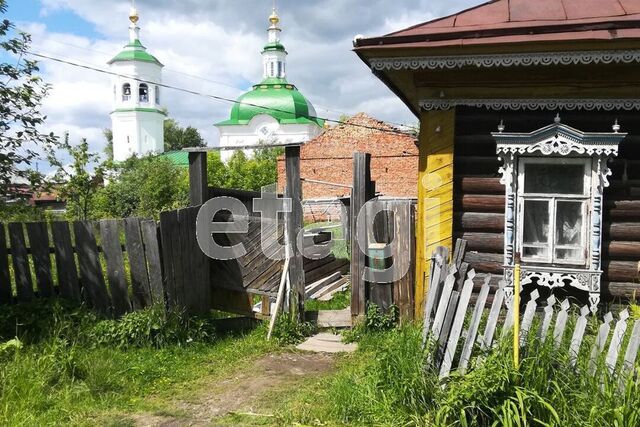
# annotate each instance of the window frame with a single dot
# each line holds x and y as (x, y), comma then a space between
(142, 86)
(126, 97)
(552, 199)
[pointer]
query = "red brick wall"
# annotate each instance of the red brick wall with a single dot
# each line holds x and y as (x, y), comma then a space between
(329, 157)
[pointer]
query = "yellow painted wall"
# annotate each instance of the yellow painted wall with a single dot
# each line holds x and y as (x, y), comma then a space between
(435, 193)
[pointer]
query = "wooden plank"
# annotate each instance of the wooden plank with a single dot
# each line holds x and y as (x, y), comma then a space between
(168, 231)
(578, 334)
(445, 269)
(630, 355)
(443, 304)
(432, 291)
(331, 287)
(527, 318)
(616, 340)
(198, 186)
(546, 320)
(92, 280)
(458, 254)
(492, 321)
(561, 323)
(315, 286)
(68, 282)
(24, 286)
(456, 328)
(474, 324)
(340, 286)
(478, 222)
(110, 233)
(462, 273)
(151, 241)
(5, 276)
(446, 327)
(39, 244)
(200, 298)
(507, 326)
(137, 263)
(265, 306)
(294, 223)
(600, 342)
(361, 175)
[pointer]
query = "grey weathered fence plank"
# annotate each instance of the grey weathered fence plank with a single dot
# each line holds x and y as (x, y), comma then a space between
(66, 267)
(474, 324)
(462, 273)
(492, 321)
(548, 316)
(438, 320)
(152, 253)
(430, 299)
(137, 263)
(443, 271)
(632, 350)
(24, 286)
(616, 340)
(110, 232)
(5, 275)
(578, 334)
(458, 253)
(446, 326)
(169, 232)
(39, 244)
(601, 340)
(561, 323)
(456, 328)
(527, 318)
(507, 326)
(90, 269)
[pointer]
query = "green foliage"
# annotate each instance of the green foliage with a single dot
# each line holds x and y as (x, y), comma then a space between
(338, 301)
(374, 321)
(74, 182)
(143, 187)
(21, 95)
(152, 327)
(20, 211)
(252, 174)
(177, 137)
(288, 331)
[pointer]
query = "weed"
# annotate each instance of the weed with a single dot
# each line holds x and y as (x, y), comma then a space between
(375, 320)
(288, 331)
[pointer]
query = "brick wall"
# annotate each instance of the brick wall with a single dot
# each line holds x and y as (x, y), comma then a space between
(329, 157)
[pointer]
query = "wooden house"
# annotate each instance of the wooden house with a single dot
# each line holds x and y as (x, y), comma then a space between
(529, 139)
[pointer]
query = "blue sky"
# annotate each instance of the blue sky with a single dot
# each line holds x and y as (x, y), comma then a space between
(60, 20)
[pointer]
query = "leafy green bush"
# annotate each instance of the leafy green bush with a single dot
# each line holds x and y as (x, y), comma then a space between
(152, 327)
(288, 331)
(375, 320)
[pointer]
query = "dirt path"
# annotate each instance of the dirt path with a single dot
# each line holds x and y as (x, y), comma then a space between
(240, 393)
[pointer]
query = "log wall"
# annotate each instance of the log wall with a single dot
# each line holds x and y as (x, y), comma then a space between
(479, 196)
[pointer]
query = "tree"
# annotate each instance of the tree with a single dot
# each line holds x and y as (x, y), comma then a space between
(108, 149)
(253, 173)
(21, 95)
(177, 138)
(73, 182)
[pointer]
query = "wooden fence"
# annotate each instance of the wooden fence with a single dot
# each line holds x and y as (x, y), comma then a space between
(83, 262)
(454, 328)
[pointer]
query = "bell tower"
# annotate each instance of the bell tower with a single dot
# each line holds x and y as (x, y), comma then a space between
(137, 118)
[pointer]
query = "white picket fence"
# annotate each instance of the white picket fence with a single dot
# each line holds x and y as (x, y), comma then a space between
(447, 302)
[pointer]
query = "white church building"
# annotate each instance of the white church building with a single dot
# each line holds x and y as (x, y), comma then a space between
(274, 110)
(137, 118)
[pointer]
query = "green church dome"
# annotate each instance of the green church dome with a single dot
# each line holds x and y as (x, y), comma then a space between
(276, 98)
(135, 51)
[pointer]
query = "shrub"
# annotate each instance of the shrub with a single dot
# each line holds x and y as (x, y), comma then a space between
(288, 331)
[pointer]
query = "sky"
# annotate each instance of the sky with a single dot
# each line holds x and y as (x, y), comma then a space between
(213, 47)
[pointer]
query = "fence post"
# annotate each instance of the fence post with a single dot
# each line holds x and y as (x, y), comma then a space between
(361, 192)
(294, 224)
(198, 185)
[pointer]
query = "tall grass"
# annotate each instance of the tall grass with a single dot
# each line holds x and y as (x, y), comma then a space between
(387, 383)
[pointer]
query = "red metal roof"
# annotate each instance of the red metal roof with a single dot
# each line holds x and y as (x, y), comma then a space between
(512, 21)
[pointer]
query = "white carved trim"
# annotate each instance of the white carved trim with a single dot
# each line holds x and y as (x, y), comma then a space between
(532, 104)
(506, 60)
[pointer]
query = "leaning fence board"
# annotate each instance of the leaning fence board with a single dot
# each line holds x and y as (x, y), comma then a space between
(561, 323)
(5, 276)
(432, 291)
(24, 286)
(152, 253)
(39, 244)
(66, 268)
(113, 256)
(90, 269)
(546, 320)
(527, 318)
(632, 349)
(137, 263)
(456, 328)
(492, 321)
(438, 320)
(446, 325)
(578, 334)
(616, 340)
(474, 324)
(601, 340)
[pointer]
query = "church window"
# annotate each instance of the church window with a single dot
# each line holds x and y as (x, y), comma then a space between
(143, 92)
(272, 70)
(126, 92)
(157, 94)
(114, 92)
(279, 69)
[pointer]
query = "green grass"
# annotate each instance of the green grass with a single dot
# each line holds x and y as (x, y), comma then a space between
(340, 246)
(339, 301)
(62, 374)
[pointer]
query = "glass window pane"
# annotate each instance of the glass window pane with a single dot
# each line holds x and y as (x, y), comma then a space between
(554, 178)
(569, 255)
(569, 223)
(536, 222)
(535, 253)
